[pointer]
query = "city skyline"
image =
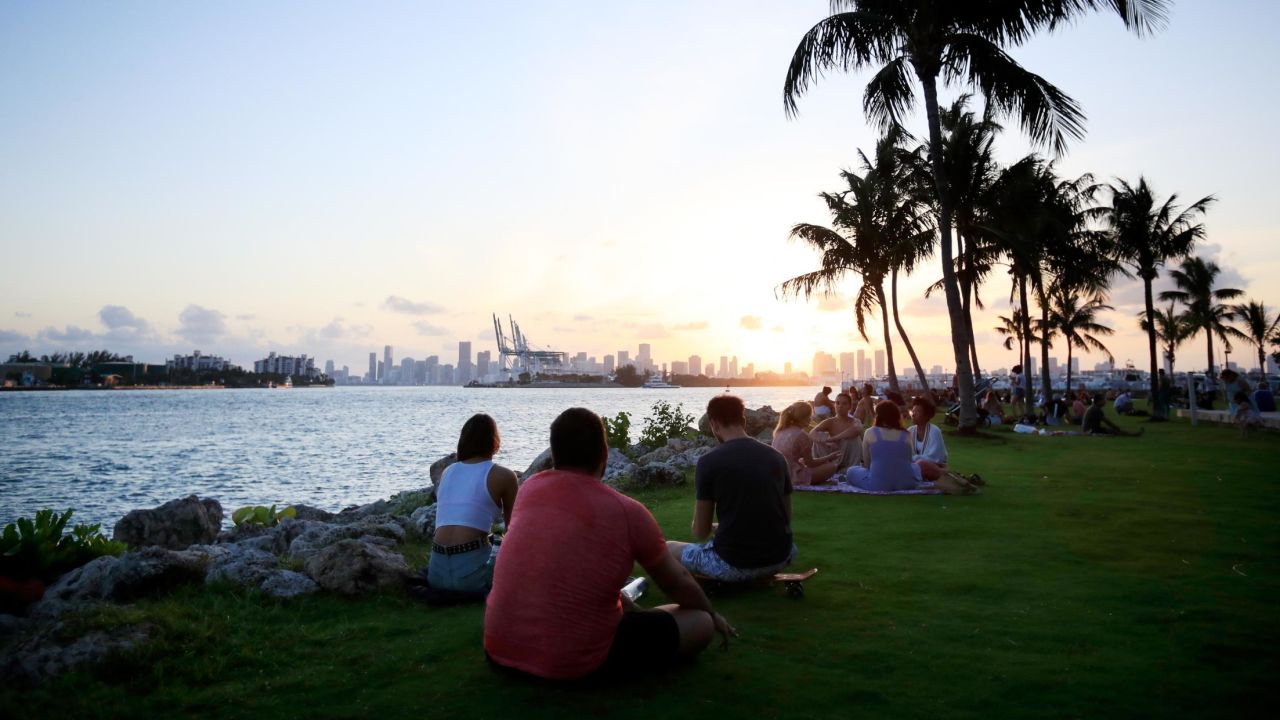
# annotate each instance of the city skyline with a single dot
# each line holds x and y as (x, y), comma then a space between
(295, 200)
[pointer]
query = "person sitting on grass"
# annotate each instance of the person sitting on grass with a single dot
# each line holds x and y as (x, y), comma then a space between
(1124, 403)
(1096, 422)
(994, 408)
(556, 610)
(1246, 418)
(865, 410)
(472, 493)
(747, 485)
(1233, 383)
(886, 454)
(928, 451)
(822, 405)
(1263, 399)
(841, 433)
(791, 438)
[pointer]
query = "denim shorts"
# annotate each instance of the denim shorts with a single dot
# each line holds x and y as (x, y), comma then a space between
(704, 560)
(468, 572)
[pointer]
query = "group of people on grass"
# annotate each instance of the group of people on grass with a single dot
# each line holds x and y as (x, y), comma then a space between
(554, 608)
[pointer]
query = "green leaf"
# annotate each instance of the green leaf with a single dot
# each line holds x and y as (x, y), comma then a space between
(241, 514)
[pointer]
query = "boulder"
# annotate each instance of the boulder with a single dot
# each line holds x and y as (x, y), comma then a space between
(405, 502)
(175, 525)
(765, 436)
(356, 567)
(86, 583)
(423, 521)
(758, 420)
(47, 654)
(282, 583)
(540, 463)
(316, 536)
(11, 625)
(355, 512)
(153, 570)
(437, 467)
(618, 468)
(240, 564)
(638, 449)
(660, 455)
(306, 512)
(657, 475)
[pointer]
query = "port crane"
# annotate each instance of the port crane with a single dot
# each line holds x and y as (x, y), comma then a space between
(517, 346)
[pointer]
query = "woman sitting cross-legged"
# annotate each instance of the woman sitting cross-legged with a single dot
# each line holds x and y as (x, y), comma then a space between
(471, 495)
(791, 439)
(928, 451)
(886, 453)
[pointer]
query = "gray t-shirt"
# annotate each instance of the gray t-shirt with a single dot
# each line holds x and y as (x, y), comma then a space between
(747, 480)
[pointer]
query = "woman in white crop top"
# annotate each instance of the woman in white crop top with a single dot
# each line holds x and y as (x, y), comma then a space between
(471, 495)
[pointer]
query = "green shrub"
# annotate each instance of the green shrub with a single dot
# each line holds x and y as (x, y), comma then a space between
(261, 515)
(618, 430)
(665, 422)
(404, 503)
(37, 548)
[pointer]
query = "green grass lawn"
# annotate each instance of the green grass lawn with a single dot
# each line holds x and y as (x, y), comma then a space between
(1094, 577)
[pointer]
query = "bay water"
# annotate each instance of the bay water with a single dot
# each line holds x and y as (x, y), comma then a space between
(104, 453)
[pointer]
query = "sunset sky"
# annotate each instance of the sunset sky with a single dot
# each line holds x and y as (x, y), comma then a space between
(331, 177)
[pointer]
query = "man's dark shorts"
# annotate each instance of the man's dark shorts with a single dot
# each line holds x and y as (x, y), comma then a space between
(646, 641)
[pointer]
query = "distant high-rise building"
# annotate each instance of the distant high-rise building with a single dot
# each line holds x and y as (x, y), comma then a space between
(937, 370)
(431, 373)
(624, 358)
(846, 364)
(447, 375)
(608, 364)
(1053, 366)
(482, 363)
(407, 369)
(382, 371)
(644, 358)
(1075, 365)
(862, 366)
(880, 370)
(373, 367)
(786, 369)
(724, 366)
(866, 369)
(679, 367)
(328, 368)
(695, 364)
(1031, 367)
(749, 371)
(709, 370)
(387, 364)
(733, 366)
(464, 362)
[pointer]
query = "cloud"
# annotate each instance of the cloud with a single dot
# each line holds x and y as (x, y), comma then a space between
(337, 329)
(71, 334)
(921, 305)
(245, 318)
(395, 303)
(700, 325)
(117, 317)
(12, 337)
(582, 317)
(22, 314)
(652, 331)
(425, 328)
(751, 322)
(833, 303)
(201, 325)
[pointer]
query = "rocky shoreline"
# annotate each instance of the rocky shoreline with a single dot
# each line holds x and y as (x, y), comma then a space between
(354, 552)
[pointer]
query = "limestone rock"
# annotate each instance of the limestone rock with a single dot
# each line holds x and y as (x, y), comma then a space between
(46, 655)
(316, 536)
(151, 571)
(175, 525)
(618, 468)
(244, 565)
(437, 467)
(540, 463)
(758, 420)
(85, 583)
(282, 583)
(660, 455)
(423, 521)
(657, 475)
(306, 512)
(356, 567)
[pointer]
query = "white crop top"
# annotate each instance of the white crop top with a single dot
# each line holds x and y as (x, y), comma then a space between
(463, 497)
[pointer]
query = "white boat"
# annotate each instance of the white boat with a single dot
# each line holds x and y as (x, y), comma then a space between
(658, 384)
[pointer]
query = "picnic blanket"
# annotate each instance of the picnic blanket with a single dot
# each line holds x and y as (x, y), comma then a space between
(924, 488)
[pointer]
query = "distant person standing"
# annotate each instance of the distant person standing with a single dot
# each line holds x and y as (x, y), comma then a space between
(1018, 401)
(1263, 399)
(746, 484)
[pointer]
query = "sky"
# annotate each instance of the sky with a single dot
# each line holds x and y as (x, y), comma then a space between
(331, 177)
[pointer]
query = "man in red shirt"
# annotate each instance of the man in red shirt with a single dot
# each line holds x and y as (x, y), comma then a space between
(555, 610)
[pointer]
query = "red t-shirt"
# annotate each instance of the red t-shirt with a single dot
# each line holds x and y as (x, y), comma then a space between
(554, 606)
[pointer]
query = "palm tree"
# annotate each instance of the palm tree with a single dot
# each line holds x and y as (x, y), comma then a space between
(1195, 279)
(955, 42)
(1146, 235)
(1171, 327)
(1259, 327)
(874, 220)
(1076, 318)
(1011, 328)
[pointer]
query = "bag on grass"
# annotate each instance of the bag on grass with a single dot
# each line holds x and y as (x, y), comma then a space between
(953, 483)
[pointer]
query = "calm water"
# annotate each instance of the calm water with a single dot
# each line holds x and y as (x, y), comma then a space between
(107, 452)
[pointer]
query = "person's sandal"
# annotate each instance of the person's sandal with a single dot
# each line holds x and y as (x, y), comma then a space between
(976, 479)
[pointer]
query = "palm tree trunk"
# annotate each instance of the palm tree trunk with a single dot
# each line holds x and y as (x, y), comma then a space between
(888, 338)
(1026, 345)
(960, 339)
(1151, 338)
(1046, 380)
(893, 295)
(1262, 362)
(1068, 392)
(1210, 374)
(969, 291)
